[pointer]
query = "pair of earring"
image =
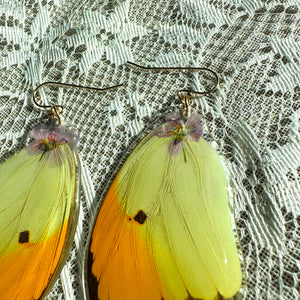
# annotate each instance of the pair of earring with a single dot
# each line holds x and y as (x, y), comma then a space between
(163, 231)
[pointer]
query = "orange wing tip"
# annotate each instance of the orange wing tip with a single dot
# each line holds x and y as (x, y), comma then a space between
(12, 285)
(119, 265)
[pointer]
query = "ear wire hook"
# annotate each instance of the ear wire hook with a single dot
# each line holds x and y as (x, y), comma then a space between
(56, 110)
(184, 94)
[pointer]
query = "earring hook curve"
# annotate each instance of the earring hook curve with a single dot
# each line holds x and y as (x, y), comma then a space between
(192, 69)
(56, 110)
(184, 94)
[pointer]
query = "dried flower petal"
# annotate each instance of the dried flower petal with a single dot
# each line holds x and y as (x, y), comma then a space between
(180, 130)
(194, 125)
(163, 131)
(47, 138)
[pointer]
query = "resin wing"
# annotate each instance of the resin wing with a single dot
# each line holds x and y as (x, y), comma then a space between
(38, 213)
(164, 230)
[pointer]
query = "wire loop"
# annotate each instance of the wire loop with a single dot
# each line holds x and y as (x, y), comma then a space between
(55, 111)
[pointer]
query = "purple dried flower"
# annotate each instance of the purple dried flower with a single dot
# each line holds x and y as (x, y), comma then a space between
(180, 130)
(48, 138)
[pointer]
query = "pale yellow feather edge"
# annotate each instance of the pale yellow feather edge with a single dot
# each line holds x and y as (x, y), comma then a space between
(72, 224)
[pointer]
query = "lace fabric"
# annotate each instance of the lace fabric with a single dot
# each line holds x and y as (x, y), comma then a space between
(253, 117)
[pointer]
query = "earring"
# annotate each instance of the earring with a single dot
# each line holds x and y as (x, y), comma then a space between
(39, 201)
(164, 229)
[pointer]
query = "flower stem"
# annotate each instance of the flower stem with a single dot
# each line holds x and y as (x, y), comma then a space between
(184, 154)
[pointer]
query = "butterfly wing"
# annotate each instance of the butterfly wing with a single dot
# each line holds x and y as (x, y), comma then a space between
(164, 229)
(38, 215)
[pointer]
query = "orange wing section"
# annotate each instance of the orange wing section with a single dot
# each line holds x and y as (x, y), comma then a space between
(120, 265)
(33, 259)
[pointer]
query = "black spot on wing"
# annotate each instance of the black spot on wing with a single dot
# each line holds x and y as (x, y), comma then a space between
(140, 217)
(24, 237)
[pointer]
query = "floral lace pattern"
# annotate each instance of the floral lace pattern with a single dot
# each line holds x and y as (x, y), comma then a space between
(252, 117)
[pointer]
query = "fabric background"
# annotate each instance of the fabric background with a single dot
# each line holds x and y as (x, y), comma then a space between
(252, 118)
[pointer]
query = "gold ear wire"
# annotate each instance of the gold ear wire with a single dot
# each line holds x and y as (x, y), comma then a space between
(56, 110)
(186, 101)
(184, 94)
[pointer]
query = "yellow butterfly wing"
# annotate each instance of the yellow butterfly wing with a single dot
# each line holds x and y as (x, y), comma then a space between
(164, 230)
(38, 215)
